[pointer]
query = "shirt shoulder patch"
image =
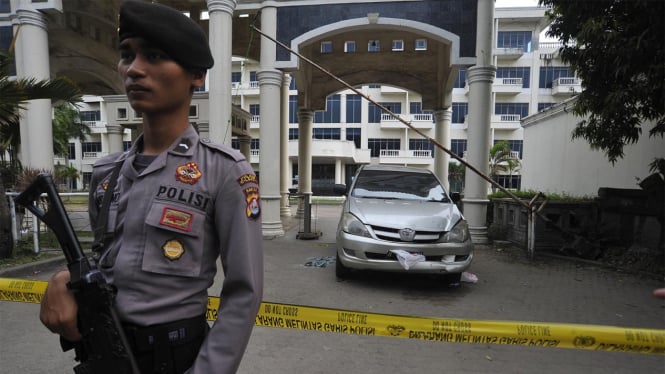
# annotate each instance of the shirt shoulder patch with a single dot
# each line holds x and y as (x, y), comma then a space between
(221, 148)
(107, 160)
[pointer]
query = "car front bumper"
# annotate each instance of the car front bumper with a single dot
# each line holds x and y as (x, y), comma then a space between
(364, 253)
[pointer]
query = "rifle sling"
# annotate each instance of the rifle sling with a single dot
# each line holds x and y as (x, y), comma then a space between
(102, 234)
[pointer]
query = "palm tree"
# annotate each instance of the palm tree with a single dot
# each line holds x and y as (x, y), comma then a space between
(13, 95)
(501, 160)
(67, 125)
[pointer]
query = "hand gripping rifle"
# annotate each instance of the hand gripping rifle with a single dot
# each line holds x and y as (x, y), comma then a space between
(104, 347)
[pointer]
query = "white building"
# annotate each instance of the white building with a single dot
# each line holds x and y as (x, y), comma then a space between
(422, 65)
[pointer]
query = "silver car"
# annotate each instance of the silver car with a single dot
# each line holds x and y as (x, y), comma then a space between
(401, 219)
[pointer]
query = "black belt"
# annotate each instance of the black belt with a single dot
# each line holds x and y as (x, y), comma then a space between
(170, 334)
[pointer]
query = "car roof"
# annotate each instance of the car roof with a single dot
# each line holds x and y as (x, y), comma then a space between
(395, 168)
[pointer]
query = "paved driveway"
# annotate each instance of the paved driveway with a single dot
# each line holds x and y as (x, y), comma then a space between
(509, 287)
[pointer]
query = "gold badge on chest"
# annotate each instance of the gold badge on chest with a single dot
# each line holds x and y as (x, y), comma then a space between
(173, 249)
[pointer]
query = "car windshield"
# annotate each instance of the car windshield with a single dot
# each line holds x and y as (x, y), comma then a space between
(389, 184)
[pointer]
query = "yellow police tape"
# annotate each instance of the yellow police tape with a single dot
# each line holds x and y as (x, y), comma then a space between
(287, 316)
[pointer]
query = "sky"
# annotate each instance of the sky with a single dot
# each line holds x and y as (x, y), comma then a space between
(514, 3)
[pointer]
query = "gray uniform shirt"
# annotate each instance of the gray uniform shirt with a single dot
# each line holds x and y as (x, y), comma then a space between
(195, 203)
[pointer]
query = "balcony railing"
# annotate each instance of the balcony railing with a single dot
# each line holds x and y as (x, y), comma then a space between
(511, 86)
(508, 53)
(411, 156)
(417, 120)
(566, 86)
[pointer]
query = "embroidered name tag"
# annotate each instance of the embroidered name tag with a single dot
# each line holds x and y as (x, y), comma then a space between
(177, 219)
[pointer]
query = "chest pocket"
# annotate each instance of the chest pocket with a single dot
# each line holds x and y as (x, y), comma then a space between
(174, 240)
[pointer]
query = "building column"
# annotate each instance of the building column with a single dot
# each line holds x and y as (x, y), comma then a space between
(270, 84)
(35, 122)
(114, 134)
(245, 146)
(284, 175)
(220, 31)
(480, 79)
(338, 170)
(305, 118)
(442, 120)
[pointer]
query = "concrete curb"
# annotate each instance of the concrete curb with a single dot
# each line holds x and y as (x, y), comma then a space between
(32, 267)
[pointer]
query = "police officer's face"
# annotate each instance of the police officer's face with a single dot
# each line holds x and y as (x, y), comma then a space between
(153, 81)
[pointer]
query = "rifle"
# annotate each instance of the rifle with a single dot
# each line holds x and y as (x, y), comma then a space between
(104, 348)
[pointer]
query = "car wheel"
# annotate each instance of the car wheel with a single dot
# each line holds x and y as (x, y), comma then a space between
(341, 271)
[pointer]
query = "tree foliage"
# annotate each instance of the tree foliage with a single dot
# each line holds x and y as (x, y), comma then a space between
(617, 49)
(67, 125)
(13, 95)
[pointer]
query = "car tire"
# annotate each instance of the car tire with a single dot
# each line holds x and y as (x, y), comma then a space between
(341, 271)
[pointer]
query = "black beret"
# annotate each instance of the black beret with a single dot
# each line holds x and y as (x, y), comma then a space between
(167, 29)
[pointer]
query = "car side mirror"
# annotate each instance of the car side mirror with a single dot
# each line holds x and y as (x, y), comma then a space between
(339, 189)
(455, 197)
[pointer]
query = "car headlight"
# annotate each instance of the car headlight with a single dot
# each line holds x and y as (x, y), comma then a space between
(352, 225)
(459, 233)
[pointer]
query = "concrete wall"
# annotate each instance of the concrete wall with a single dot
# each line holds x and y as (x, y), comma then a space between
(555, 163)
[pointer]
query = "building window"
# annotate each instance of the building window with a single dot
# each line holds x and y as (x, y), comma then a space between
(460, 111)
(236, 76)
(460, 81)
(292, 85)
(395, 107)
(91, 147)
(376, 145)
(374, 85)
(458, 146)
(121, 113)
(543, 106)
(512, 182)
(415, 107)
(71, 151)
(373, 113)
(293, 108)
(326, 133)
(421, 145)
(523, 72)
(138, 115)
(350, 46)
(126, 145)
(516, 146)
(332, 113)
(293, 134)
(514, 39)
(326, 47)
(373, 46)
(421, 44)
(90, 115)
(193, 111)
(253, 80)
(549, 73)
(254, 144)
(354, 134)
(353, 108)
(398, 45)
(512, 108)
(87, 176)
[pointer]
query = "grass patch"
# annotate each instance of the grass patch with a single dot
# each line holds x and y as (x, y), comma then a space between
(24, 254)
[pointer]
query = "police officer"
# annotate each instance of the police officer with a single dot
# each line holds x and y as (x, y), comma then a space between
(179, 203)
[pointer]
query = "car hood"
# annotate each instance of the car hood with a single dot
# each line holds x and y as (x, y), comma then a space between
(419, 215)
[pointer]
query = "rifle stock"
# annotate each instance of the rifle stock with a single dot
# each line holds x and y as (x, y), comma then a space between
(104, 347)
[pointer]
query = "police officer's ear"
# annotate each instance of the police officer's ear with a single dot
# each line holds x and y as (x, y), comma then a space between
(199, 78)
